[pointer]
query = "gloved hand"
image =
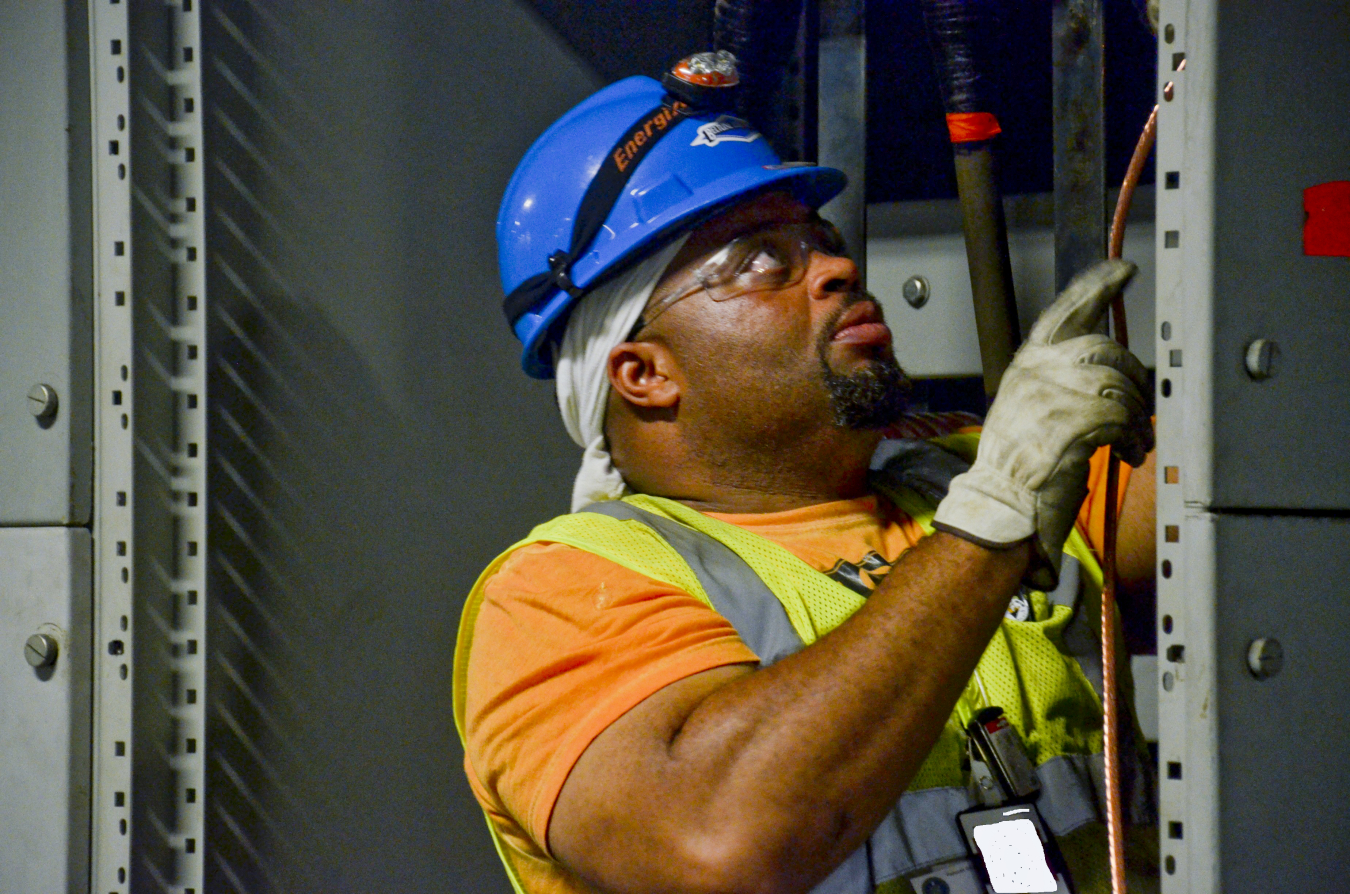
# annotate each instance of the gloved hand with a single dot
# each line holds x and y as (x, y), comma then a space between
(1068, 391)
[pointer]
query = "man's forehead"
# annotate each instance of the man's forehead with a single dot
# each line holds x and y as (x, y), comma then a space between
(747, 216)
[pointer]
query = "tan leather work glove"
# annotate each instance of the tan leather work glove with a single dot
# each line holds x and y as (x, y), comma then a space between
(1068, 391)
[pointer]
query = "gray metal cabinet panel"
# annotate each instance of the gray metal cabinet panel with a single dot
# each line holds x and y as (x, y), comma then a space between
(1281, 91)
(1283, 818)
(45, 587)
(45, 273)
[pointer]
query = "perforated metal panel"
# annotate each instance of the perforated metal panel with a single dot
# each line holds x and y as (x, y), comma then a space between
(1253, 540)
(44, 264)
(1253, 120)
(44, 711)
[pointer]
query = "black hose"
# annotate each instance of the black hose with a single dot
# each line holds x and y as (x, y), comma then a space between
(763, 35)
(957, 32)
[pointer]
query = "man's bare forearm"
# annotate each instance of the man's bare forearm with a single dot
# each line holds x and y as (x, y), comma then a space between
(764, 780)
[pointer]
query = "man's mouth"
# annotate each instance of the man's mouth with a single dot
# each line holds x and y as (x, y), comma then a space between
(861, 325)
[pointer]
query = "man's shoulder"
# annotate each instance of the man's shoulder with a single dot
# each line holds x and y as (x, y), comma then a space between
(544, 565)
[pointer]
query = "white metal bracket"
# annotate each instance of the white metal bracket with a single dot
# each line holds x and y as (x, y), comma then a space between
(121, 448)
(1188, 692)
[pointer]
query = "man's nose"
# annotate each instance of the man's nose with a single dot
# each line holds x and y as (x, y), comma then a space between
(828, 275)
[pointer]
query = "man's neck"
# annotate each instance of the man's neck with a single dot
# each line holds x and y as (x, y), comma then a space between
(759, 481)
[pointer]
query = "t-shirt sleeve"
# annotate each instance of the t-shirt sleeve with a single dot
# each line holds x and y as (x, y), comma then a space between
(565, 643)
(1092, 515)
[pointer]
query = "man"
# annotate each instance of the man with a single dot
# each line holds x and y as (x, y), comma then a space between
(758, 671)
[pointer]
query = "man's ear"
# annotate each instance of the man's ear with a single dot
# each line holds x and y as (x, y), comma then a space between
(644, 374)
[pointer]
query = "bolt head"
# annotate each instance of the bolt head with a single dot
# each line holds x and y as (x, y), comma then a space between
(42, 401)
(1260, 358)
(916, 291)
(41, 650)
(1265, 657)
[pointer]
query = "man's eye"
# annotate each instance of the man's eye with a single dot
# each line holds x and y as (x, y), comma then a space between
(766, 261)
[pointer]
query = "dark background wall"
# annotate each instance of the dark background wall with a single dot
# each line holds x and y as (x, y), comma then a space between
(373, 442)
(908, 152)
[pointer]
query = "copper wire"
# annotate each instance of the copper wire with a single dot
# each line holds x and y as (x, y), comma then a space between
(1110, 708)
(1115, 831)
(1132, 174)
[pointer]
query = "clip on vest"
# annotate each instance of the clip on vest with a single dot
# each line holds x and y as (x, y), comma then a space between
(995, 744)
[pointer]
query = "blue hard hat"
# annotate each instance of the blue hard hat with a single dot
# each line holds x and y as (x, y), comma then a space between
(666, 166)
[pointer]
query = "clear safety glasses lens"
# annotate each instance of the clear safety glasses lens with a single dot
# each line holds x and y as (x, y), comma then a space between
(764, 260)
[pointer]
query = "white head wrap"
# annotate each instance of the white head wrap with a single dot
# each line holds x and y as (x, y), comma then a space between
(601, 322)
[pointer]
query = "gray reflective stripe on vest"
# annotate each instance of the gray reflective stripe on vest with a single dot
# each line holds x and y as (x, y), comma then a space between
(922, 828)
(924, 468)
(922, 831)
(1080, 640)
(736, 591)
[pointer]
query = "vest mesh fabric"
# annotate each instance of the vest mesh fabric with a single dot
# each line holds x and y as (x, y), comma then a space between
(1060, 714)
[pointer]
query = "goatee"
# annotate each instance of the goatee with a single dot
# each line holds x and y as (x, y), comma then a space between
(873, 397)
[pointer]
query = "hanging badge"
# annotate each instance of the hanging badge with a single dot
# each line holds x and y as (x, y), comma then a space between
(1015, 850)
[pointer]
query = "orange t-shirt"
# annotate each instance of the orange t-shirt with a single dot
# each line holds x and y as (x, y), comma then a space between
(567, 642)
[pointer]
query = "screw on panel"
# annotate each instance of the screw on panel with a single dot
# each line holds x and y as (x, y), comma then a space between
(41, 650)
(916, 291)
(42, 401)
(1260, 358)
(1265, 657)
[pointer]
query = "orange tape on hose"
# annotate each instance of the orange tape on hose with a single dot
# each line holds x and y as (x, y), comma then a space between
(971, 127)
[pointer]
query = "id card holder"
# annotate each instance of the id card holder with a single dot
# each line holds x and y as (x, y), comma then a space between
(1014, 850)
(995, 743)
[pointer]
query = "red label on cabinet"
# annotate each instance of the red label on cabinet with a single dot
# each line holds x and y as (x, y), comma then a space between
(1326, 231)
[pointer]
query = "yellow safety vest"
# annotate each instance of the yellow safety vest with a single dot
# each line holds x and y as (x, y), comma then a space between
(1041, 671)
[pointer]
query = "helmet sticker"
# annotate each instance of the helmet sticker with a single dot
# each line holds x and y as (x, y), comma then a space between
(726, 129)
(629, 149)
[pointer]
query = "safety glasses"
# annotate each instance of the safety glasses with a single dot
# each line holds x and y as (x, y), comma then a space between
(764, 260)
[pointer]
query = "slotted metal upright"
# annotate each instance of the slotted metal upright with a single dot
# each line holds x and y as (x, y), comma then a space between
(150, 445)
